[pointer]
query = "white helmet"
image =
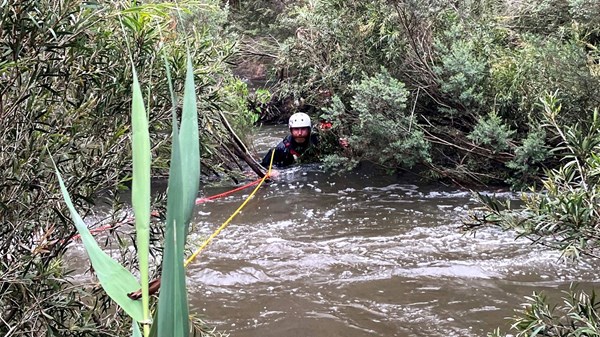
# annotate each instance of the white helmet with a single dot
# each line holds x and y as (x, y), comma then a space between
(299, 120)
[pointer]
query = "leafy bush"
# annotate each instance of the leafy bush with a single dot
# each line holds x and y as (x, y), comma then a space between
(378, 126)
(547, 17)
(565, 216)
(462, 67)
(562, 216)
(528, 158)
(258, 17)
(458, 61)
(577, 315)
(334, 43)
(492, 132)
(237, 96)
(65, 89)
(522, 74)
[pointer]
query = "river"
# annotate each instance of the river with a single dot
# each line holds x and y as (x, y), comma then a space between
(362, 254)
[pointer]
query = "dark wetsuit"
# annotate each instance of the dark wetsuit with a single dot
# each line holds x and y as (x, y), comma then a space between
(288, 152)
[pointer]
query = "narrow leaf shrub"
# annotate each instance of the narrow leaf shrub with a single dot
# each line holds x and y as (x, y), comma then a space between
(578, 314)
(65, 84)
(564, 214)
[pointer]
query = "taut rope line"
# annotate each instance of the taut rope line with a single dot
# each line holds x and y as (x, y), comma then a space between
(226, 223)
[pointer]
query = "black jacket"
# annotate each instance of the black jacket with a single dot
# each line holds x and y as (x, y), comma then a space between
(288, 152)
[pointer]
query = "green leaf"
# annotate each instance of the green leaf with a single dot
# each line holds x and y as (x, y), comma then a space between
(173, 314)
(140, 195)
(114, 278)
(172, 302)
(188, 137)
(534, 333)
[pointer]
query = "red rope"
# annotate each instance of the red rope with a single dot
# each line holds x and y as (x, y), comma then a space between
(156, 214)
(224, 194)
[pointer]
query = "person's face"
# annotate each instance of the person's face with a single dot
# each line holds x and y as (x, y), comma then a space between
(300, 134)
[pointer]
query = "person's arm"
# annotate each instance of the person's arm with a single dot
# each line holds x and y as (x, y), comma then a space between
(282, 157)
(267, 159)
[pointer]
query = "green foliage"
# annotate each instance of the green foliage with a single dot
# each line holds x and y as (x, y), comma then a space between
(528, 157)
(339, 163)
(334, 43)
(540, 16)
(551, 16)
(257, 17)
(462, 67)
(492, 132)
(458, 60)
(173, 311)
(114, 278)
(520, 75)
(565, 216)
(140, 196)
(577, 315)
(262, 96)
(173, 316)
(378, 126)
(66, 87)
(237, 95)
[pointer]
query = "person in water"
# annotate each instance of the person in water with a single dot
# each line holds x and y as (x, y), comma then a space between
(301, 145)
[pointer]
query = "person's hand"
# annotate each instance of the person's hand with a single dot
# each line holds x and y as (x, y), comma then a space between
(343, 142)
(324, 125)
(274, 173)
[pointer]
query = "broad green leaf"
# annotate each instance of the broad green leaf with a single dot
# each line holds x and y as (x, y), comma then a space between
(140, 195)
(172, 302)
(114, 278)
(188, 137)
(173, 315)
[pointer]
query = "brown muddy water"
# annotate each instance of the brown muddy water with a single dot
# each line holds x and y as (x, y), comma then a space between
(362, 254)
(318, 255)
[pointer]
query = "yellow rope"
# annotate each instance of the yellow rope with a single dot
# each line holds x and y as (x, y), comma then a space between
(213, 235)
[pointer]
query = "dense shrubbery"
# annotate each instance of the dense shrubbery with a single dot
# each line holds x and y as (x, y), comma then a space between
(470, 76)
(459, 63)
(458, 95)
(65, 90)
(378, 125)
(564, 216)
